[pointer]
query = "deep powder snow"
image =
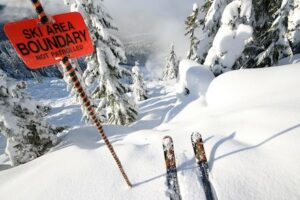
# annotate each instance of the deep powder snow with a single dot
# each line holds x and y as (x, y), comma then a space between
(249, 120)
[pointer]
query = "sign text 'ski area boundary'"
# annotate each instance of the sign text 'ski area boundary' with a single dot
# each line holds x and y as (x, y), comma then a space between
(41, 45)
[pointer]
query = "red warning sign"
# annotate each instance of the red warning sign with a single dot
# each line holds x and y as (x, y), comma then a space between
(41, 45)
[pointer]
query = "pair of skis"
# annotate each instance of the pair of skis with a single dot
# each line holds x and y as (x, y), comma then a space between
(200, 156)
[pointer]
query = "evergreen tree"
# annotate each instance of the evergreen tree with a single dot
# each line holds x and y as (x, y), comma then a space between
(270, 41)
(14, 67)
(138, 87)
(192, 23)
(214, 15)
(21, 122)
(275, 33)
(235, 29)
(103, 66)
(210, 22)
(294, 27)
(171, 68)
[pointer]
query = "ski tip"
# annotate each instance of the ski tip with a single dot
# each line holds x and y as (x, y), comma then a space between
(167, 140)
(196, 136)
(167, 137)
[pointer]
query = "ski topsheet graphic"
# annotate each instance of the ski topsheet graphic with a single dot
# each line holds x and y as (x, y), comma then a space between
(201, 159)
(172, 180)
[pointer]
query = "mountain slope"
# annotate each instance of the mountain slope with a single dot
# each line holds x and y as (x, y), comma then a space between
(249, 120)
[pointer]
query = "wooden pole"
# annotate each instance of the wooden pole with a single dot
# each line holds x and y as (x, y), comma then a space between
(70, 71)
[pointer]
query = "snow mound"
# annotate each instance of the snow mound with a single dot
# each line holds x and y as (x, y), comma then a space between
(194, 77)
(255, 87)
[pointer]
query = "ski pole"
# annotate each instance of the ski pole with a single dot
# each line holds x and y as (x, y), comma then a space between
(70, 71)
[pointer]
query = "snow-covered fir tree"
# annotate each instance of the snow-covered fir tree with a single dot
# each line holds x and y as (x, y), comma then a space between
(214, 15)
(14, 67)
(270, 39)
(205, 41)
(294, 27)
(103, 66)
(210, 22)
(21, 122)
(192, 23)
(261, 31)
(171, 68)
(139, 88)
(235, 30)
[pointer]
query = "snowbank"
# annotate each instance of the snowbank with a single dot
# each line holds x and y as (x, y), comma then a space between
(196, 78)
(255, 87)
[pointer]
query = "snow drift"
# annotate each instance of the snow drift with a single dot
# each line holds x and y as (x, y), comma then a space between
(255, 87)
(194, 77)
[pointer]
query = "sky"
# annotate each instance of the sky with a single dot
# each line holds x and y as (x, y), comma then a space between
(162, 19)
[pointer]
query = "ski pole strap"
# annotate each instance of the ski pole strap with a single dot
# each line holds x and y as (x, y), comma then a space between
(40, 11)
(70, 71)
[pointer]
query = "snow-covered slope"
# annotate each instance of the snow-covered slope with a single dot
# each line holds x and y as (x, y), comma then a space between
(245, 88)
(249, 120)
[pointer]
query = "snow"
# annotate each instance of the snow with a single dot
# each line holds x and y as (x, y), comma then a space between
(225, 95)
(231, 12)
(296, 18)
(294, 24)
(196, 78)
(288, 60)
(222, 48)
(250, 126)
(222, 55)
(215, 12)
(283, 4)
(195, 7)
(246, 9)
